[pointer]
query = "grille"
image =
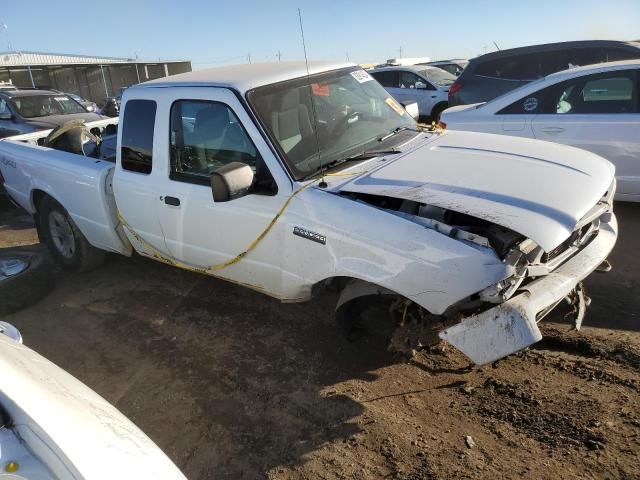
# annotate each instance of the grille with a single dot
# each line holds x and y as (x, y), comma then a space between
(575, 237)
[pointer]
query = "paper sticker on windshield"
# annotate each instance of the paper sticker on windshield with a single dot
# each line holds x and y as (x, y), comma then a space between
(530, 104)
(361, 76)
(399, 109)
(320, 89)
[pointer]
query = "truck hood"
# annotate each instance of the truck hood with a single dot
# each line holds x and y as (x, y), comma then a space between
(538, 189)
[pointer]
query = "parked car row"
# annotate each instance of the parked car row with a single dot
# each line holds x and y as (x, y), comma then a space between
(488, 76)
(25, 110)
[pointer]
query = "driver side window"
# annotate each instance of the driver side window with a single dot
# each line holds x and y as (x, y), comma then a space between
(204, 136)
(409, 80)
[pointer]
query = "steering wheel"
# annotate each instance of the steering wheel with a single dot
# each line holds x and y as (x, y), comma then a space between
(349, 117)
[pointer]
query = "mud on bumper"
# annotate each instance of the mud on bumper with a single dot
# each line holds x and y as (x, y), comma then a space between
(513, 325)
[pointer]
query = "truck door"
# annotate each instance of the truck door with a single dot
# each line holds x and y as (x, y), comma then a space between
(202, 130)
(137, 170)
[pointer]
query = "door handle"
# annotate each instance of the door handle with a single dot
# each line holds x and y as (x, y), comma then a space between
(553, 129)
(172, 201)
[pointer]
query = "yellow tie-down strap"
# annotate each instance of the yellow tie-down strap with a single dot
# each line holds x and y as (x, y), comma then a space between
(154, 253)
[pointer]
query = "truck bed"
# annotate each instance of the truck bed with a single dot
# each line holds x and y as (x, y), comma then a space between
(81, 183)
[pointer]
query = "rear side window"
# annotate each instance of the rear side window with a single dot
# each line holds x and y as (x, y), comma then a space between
(608, 93)
(137, 135)
(614, 92)
(386, 79)
(517, 67)
(615, 54)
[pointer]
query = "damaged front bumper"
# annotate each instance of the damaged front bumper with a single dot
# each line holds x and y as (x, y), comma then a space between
(513, 325)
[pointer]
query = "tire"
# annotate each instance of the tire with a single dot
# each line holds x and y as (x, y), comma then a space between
(26, 287)
(366, 320)
(437, 110)
(66, 243)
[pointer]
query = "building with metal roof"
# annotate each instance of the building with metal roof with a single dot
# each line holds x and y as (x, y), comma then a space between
(91, 77)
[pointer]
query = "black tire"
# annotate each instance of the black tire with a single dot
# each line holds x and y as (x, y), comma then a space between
(366, 319)
(74, 255)
(26, 287)
(437, 110)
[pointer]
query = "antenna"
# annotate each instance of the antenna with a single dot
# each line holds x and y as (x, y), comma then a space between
(494, 42)
(322, 183)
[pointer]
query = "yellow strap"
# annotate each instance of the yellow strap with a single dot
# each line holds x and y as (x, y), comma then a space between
(176, 263)
(153, 252)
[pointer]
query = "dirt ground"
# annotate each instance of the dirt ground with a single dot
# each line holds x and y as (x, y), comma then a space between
(232, 384)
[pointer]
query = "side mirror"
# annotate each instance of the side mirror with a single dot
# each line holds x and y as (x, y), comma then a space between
(231, 181)
(420, 85)
(6, 116)
(411, 106)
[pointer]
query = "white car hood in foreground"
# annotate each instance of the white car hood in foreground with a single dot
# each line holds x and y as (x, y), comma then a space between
(69, 427)
(538, 189)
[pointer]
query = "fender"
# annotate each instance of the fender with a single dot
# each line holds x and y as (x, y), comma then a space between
(359, 288)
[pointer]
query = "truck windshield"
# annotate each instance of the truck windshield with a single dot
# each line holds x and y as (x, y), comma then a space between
(349, 109)
(33, 106)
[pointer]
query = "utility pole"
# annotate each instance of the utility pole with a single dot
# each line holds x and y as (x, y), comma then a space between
(279, 55)
(400, 51)
(249, 57)
(347, 54)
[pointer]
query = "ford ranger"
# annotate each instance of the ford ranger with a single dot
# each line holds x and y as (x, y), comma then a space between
(289, 180)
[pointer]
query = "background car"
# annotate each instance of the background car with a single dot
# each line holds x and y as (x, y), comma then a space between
(596, 108)
(426, 85)
(454, 67)
(493, 74)
(88, 105)
(26, 111)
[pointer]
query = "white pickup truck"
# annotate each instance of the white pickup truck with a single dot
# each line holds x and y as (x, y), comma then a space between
(288, 180)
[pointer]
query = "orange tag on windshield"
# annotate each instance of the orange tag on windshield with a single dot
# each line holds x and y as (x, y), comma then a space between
(399, 109)
(320, 89)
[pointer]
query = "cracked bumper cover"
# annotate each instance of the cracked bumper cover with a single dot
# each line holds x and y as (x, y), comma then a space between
(512, 325)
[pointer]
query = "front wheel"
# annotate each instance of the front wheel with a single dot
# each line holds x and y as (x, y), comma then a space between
(66, 243)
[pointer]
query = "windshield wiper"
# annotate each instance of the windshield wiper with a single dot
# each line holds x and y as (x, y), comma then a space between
(373, 153)
(393, 132)
(358, 156)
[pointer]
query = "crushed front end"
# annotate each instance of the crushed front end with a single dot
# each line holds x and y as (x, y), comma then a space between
(541, 280)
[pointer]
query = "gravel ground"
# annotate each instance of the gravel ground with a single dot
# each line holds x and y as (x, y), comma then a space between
(232, 384)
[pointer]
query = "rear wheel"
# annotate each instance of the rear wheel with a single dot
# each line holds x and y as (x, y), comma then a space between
(66, 243)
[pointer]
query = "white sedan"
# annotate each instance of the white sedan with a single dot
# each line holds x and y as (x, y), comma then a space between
(596, 108)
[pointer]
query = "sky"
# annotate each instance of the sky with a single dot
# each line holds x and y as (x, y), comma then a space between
(213, 33)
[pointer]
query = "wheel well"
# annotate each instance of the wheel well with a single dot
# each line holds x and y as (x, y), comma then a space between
(349, 288)
(439, 106)
(36, 197)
